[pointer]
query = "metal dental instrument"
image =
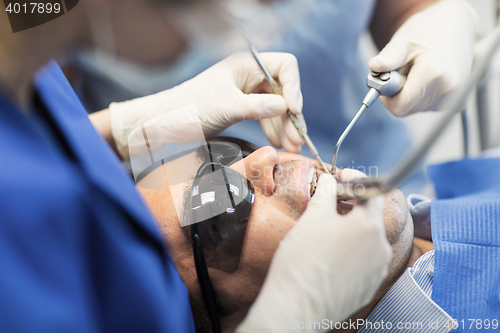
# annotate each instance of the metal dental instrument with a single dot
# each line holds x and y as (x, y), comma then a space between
(365, 188)
(385, 84)
(299, 125)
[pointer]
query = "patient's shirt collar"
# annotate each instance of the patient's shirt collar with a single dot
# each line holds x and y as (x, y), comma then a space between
(409, 303)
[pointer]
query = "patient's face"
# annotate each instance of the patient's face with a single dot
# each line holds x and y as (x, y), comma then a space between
(282, 192)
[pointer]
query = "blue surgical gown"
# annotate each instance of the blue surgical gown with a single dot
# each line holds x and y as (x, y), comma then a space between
(79, 251)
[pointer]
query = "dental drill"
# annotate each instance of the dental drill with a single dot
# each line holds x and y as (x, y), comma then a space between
(364, 188)
(385, 84)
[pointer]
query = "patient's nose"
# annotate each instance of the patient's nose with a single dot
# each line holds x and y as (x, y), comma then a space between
(260, 167)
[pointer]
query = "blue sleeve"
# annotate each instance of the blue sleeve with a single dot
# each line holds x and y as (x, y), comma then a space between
(78, 248)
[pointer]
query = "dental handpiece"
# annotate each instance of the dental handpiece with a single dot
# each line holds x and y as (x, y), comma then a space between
(365, 188)
(385, 84)
(297, 122)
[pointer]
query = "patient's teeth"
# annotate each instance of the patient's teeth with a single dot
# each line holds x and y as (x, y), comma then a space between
(314, 183)
(312, 178)
(310, 175)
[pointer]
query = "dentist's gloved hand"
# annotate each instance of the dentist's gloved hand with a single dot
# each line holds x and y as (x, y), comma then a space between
(437, 44)
(327, 267)
(231, 91)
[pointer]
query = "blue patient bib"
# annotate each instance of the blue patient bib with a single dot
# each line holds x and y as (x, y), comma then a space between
(466, 233)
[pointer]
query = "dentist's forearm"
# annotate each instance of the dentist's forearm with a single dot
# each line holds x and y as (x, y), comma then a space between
(389, 15)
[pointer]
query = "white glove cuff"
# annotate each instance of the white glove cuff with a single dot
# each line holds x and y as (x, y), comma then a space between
(127, 116)
(445, 7)
(119, 135)
(178, 126)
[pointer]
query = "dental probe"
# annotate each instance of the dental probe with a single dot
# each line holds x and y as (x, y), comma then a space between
(299, 125)
(385, 84)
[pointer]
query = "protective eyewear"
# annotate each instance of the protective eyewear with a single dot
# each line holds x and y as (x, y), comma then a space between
(221, 201)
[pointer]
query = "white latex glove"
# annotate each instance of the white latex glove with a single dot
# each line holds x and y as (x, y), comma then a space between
(327, 267)
(437, 44)
(231, 91)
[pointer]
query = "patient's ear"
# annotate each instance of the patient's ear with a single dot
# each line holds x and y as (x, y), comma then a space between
(236, 293)
(238, 286)
(178, 245)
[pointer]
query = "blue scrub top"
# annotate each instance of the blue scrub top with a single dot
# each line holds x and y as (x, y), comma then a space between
(78, 248)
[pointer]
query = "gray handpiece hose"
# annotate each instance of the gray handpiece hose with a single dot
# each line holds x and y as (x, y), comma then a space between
(385, 84)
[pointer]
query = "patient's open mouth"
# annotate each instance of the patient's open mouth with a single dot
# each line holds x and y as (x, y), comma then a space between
(312, 179)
